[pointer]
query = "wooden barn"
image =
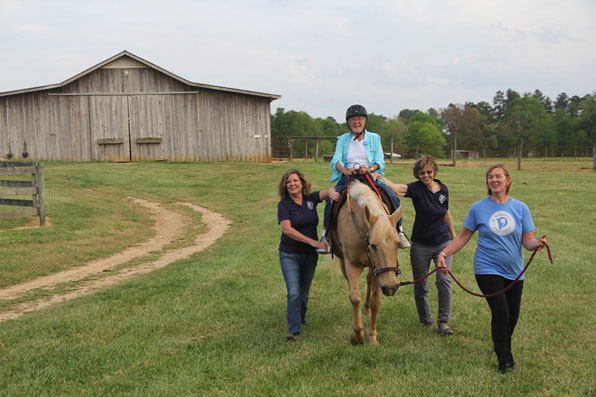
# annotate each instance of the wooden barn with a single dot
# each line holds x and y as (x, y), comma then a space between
(128, 109)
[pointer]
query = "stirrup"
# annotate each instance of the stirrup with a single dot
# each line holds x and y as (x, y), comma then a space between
(325, 250)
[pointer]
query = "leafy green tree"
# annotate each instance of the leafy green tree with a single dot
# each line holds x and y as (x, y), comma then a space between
(424, 136)
(329, 126)
(566, 134)
(544, 100)
(406, 114)
(532, 127)
(294, 123)
(562, 102)
(587, 122)
(394, 131)
(500, 105)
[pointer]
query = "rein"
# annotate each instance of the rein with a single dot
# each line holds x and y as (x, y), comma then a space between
(550, 258)
(376, 271)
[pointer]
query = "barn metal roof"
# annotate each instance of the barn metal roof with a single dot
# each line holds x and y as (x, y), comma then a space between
(146, 63)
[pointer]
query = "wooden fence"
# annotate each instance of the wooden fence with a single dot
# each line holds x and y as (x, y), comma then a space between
(16, 186)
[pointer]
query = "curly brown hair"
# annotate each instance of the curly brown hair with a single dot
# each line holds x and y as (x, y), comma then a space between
(422, 162)
(282, 188)
(505, 171)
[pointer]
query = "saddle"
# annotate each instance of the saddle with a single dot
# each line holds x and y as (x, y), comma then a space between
(336, 205)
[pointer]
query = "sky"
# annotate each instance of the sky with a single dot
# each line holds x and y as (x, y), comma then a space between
(321, 56)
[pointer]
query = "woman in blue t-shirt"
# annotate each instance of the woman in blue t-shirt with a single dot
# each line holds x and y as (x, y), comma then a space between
(504, 225)
(297, 215)
(433, 230)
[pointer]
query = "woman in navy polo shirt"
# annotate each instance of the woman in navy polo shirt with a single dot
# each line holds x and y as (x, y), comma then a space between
(433, 230)
(297, 215)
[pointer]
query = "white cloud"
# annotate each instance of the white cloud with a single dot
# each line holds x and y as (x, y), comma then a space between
(321, 56)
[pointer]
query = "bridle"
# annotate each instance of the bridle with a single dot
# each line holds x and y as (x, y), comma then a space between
(373, 265)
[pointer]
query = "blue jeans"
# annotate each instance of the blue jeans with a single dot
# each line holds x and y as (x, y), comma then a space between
(341, 185)
(298, 271)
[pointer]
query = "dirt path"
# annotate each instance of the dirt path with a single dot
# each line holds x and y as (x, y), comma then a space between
(169, 226)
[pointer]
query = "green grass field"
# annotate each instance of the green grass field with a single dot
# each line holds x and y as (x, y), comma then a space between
(214, 324)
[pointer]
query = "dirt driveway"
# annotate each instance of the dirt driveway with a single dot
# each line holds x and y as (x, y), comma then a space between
(168, 226)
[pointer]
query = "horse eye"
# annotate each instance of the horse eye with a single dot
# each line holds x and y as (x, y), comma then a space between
(373, 246)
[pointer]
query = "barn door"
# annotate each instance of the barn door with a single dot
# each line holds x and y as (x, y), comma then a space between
(148, 126)
(108, 120)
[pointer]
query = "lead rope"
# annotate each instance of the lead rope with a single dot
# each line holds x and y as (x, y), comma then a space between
(550, 258)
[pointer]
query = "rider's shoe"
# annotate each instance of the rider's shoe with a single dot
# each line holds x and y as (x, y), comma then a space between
(403, 240)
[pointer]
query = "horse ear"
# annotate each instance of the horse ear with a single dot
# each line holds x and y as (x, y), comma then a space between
(372, 218)
(394, 218)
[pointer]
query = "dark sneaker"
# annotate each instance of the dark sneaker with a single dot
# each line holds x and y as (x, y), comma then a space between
(292, 337)
(404, 242)
(444, 329)
(505, 367)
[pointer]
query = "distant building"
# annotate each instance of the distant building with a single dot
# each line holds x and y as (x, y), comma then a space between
(128, 109)
(466, 154)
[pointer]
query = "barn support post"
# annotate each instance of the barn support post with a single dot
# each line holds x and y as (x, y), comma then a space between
(594, 157)
(316, 150)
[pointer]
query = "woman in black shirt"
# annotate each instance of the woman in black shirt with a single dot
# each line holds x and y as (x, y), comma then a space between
(433, 230)
(297, 215)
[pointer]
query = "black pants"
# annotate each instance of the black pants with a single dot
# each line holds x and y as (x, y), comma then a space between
(505, 312)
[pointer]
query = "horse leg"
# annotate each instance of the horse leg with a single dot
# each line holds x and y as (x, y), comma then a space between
(375, 304)
(369, 277)
(353, 275)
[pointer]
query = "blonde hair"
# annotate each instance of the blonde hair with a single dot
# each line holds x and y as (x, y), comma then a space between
(505, 171)
(282, 188)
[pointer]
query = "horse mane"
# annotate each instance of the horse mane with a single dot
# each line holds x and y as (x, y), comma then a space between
(366, 198)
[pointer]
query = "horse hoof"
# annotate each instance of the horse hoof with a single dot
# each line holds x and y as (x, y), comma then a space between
(356, 342)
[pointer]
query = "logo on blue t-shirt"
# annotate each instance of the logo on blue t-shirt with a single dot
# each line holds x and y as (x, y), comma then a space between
(501, 223)
(442, 198)
(310, 205)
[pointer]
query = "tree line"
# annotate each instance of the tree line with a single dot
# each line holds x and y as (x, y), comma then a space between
(530, 124)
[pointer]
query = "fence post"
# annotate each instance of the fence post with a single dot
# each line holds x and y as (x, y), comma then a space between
(391, 154)
(40, 194)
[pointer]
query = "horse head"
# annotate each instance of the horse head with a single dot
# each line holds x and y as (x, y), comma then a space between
(382, 247)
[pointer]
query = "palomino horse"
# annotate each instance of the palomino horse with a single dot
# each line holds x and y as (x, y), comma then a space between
(365, 236)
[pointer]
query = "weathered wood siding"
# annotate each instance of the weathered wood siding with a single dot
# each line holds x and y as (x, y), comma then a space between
(128, 111)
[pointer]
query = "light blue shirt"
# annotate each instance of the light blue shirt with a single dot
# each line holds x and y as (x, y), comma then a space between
(374, 152)
(500, 231)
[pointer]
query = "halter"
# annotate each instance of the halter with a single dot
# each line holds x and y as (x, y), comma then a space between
(376, 271)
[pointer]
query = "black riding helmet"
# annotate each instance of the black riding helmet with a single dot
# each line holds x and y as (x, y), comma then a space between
(356, 110)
